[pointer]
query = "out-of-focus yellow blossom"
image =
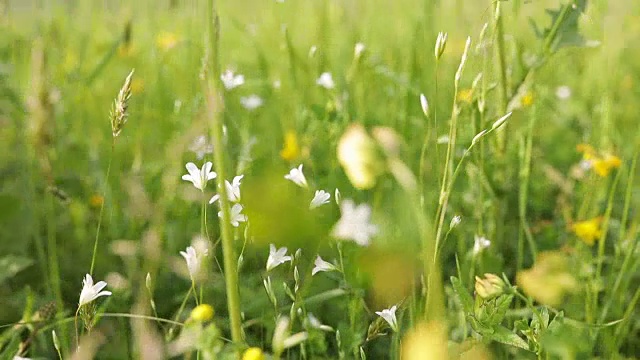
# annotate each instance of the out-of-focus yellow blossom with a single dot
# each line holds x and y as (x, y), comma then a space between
(126, 50)
(602, 165)
(527, 99)
(549, 279)
(96, 200)
(253, 353)
(291, 149)
(166, 41)
(465, 95)
(427, 341)
(359, 156)
(137, 86)
(588, 231)
(202, 312)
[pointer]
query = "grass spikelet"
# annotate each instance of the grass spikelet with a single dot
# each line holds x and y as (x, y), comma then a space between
(119, 113)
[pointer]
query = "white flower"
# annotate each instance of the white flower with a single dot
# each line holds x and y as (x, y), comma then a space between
(321, 197)
(358, 50)
(194, 261)
(480, 243)
(201, 147)
(326, 81)
(236, 215)
(455, 221)
(251, 102)
(354, 223)
(91, 292)
(563, 92)
(297, 176)
(321, 265)
(230, 81)
(199, 177)
(389, 315)
(20, 358)
(233, 190)
(277, 257)
(312, 51)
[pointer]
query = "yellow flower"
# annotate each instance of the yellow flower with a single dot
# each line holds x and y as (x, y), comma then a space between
(359, 156)
(427, 341)
(527, 99)
(96, 200)
(465, 95)
(549, 279)
(166, 41)
(601, 165)
(489, 287)
(291, 149)
(588, 231)
(125, 50)
(202, 312)
(253, 353)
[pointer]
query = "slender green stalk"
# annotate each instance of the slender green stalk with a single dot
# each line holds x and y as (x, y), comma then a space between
(214, 101)
(54, 267)
(104, 194)
(523, 193)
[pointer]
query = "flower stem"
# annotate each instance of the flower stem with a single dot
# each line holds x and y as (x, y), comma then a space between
(214, 102)
(104, 193)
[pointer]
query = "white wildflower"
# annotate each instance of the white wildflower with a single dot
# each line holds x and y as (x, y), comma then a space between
(276, 257)
(199, 177)
(233, 190)
(321, 265)
(201, 147)
(251, 102)
(354, 223)
(230, 80)
(194, 261)
(297, 176)
(90, 291)
(455, 221)
(236, 215)
(480, 243)
(389, 315)
(320, 198)
(563, 92)
(326, 81)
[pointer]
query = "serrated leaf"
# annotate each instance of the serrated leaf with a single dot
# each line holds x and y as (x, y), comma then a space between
(503, 335)
(563, 31)
(11, 265)
(463, 296)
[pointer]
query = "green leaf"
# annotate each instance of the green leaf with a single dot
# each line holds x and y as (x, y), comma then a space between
(503, 335)
(11, 265)
(463, 296)
(563, 31)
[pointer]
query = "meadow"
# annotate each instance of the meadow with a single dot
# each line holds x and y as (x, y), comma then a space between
(296, 179)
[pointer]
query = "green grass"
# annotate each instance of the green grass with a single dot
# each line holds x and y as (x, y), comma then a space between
(68, 184)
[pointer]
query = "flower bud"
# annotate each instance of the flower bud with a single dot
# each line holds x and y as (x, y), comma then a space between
(253, 353)
(441, 44)
(202, 312)
(358, 154)
(489, 287)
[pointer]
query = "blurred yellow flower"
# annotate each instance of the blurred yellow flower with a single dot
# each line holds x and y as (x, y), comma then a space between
(527, 99)
(465, 95)
(96, 200)
(427, 341)
(202, 312)
(166, 41)
(253, 353)
(602, 165)
(359, 156)
(549, 279)
(137, 85)
(126, 50)
(588, 231)
(291, 149)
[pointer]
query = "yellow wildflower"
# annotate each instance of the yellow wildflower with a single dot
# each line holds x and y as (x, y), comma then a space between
(465, 95)
(602, 165)
(166, 41)
(253, 353)
(125, 50)
(427, 341)
(588, 152)
(549, 279)
(489, 287)
(202, 312)
(291, 149)
(527, 99)
(588, 231)
(96, 200)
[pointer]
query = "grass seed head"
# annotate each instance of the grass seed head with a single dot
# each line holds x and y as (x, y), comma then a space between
(119, 113)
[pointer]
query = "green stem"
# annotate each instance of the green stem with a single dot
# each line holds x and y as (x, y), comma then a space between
(228, 251)
(54, 267)
(104, 194)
